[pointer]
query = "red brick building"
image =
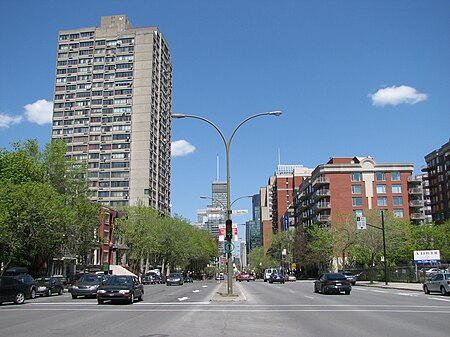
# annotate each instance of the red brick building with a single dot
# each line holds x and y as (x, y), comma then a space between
(352, 185)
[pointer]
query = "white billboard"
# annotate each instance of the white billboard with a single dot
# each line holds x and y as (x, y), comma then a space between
(427, 256)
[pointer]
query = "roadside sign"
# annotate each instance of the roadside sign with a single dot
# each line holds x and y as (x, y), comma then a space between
(427, 256)
(240, 211)
(361, 222)
(228, 247)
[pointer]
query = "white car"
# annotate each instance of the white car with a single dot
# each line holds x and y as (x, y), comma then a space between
(439, 283)
(432, 271)
(291, 277)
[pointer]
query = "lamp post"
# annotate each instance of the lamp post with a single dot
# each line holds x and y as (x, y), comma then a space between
(227, 144)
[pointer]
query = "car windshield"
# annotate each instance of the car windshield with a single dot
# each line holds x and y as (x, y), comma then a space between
(335, 277)
(174, 275)
(120, 280)
(90, 278)
(42, 280)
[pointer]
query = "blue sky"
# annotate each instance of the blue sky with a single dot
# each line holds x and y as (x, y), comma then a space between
(352, 78)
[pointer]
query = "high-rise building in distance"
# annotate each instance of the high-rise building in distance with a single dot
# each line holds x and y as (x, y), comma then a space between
(112, 106)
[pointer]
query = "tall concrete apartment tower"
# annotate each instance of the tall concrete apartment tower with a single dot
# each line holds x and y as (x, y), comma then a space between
(112, 106)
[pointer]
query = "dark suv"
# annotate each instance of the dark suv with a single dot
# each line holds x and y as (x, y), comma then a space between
(12, 290)
(21, 274)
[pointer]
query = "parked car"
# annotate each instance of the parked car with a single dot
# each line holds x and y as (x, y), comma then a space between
(432, 271)
(277, 277)
(438, 283)
(13, 290)
(332, 283)
(87, 285)
(46, 286)
(291, 277)
(28, 280)
(268, 272)
(350, 277)
(62, 279)
(121, 288)
(174, 278)
(220, 277)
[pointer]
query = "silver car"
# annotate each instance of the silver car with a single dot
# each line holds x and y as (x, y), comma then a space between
(438, 283)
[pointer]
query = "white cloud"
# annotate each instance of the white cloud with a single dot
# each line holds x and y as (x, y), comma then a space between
(39, 112)
(397, 95)
(6, 121)
(181, 148)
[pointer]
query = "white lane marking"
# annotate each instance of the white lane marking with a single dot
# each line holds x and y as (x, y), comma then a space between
(439, 299)
(205, 286)
(407, 294)
(183, 298)
(195, 291)
(309, 297)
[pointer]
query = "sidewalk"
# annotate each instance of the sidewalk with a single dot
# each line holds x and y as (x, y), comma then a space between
(391, 285)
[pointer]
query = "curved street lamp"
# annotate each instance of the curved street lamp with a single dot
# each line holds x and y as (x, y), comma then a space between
(227, 144)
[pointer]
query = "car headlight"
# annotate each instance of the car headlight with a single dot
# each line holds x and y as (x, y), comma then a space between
(124, 292)
(75, 287)
(101, 291)
(94, 287)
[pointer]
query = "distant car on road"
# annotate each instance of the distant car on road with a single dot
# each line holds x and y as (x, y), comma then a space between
(220, 277)
(268, 272)
(174, 278)
(350, 277)
(291, 277)
(245, 277)
(121, 288)
(13, 290)
(46, 286)
(276, 277)
(87, 285)
(438, 283)
(188, 279)
(332, 283)
(151, 278)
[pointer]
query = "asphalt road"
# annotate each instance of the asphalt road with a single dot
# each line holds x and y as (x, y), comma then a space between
(290, 309)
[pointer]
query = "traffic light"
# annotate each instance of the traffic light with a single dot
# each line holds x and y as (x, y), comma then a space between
(229, 230)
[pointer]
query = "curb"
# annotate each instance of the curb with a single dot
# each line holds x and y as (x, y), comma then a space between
(221, 294)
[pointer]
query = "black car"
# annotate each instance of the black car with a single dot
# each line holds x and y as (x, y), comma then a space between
(12, 290)
(46, 286)
(121, 288)
(276, 277)
(28, 280)
(332, 283)
(175, 278)
(151, 278)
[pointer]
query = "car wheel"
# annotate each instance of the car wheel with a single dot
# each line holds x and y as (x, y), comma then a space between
(74, 297)
(347, 292)
(33, 293)
(48, 293)
(322, 290)
(426, 290)
(141, 298)
(60, 292)
(19, 298)
(315, 289)
(443, 292)
(131, 300)
(99, 301)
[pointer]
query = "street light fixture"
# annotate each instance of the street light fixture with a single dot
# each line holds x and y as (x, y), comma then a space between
(227, 144)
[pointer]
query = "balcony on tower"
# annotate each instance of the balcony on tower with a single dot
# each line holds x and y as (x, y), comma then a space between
(322, 193)
(321, 181)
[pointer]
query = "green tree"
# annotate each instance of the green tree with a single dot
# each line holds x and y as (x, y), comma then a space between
(41, 216)
(259, 261)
